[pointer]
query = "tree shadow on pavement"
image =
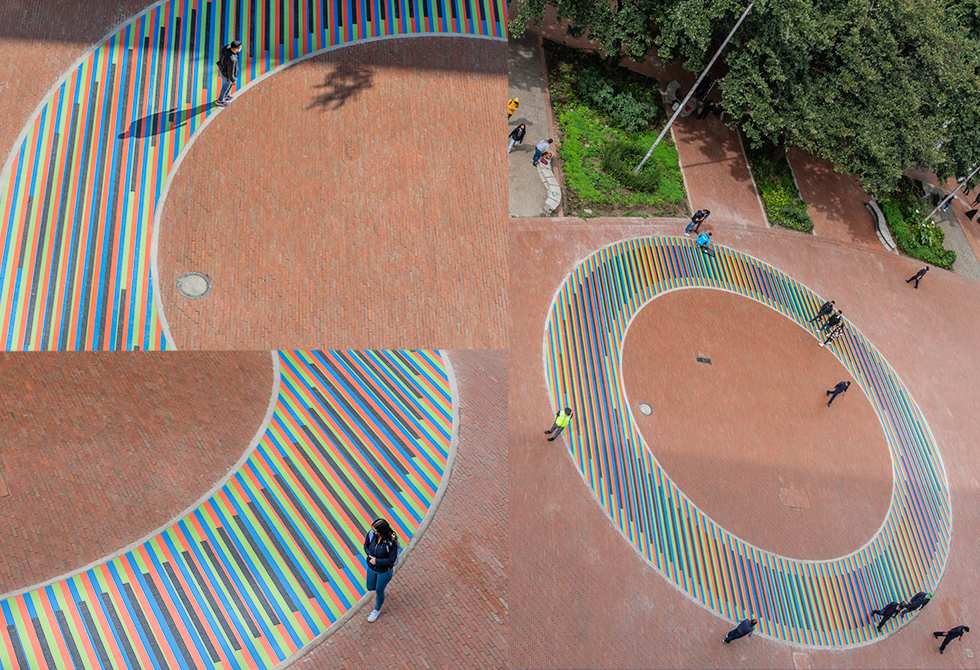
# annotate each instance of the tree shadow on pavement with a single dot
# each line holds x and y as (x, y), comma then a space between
(341, 84)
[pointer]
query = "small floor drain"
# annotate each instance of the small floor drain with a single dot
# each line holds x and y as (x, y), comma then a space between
(194, 285)
(645, 409)
(703, 359)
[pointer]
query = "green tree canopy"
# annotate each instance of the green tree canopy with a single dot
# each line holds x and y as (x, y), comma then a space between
(876, 86)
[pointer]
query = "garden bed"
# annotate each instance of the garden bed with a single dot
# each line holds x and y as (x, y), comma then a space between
(784, 205)
(903, 210)
(609, 117)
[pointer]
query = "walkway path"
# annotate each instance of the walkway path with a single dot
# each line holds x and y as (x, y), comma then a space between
(274, 557)
(525, 80)
(835, 201)
(77, 204)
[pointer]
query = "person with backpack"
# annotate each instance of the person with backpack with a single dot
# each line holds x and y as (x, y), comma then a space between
(381, 550)
(516, 137)
(699, 217)
(228, 70)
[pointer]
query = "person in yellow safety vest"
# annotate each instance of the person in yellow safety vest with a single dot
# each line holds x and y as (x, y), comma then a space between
(561, 420)
(512, 106)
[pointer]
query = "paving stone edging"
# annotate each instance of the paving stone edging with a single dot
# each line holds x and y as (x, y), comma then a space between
(551, 184)
(881, 227)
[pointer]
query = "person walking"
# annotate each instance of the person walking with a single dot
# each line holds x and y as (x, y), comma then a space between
(832, 335)
(512, 105)
(951, 634)
(825, 310)
(228, 70)
(699, 217)
(836, 391)
(834, 319)
(540, 148)
(561, 420)
(746, 627)
(381, 551)
(917, 277)
(704, 244)
(706, 109)
(890, 610)
(919, 600)
(516, 137)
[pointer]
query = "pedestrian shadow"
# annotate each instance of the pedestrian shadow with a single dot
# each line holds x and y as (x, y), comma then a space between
(343, 83)
(162, 122)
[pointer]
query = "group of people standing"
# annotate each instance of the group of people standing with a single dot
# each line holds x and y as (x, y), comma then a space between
(542, 150)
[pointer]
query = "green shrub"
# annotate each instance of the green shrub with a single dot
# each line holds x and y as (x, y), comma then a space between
(597, 90)
(903, 210)
(621, 157)
(780, 197)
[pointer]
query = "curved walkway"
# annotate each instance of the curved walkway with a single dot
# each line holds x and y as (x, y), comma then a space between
(817, 603)
(78, 199)
(273, 558)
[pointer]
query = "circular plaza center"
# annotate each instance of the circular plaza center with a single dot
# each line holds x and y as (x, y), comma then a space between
(740, 422)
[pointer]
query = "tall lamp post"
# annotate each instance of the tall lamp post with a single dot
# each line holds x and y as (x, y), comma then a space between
(950, 196)
(693, 88)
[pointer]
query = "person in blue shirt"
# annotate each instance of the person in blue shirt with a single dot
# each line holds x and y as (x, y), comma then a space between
(704, 243)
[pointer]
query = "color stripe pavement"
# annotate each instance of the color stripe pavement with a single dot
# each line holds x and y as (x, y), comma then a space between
(818, 603)
(78, 200)
(274, 557)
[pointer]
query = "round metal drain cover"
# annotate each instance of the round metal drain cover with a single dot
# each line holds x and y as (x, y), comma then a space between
(194, 285)
(645, 409)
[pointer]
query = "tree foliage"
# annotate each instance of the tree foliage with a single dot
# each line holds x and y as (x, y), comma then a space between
(876, 86)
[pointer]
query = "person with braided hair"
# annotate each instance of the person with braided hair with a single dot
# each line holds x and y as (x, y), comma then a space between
(381, 548)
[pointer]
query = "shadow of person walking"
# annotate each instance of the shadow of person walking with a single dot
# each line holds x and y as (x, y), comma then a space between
(163, 121)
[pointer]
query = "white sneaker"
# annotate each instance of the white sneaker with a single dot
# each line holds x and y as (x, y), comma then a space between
(373, 616)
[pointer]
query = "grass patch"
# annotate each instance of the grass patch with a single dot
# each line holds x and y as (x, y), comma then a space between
(784, 206)
(609, 117)
(903, 210)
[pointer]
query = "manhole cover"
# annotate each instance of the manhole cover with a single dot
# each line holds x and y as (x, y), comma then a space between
(194, 285)
(645, 409)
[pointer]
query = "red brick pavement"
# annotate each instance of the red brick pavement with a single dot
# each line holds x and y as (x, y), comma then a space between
(835, 201)
(97, 451)
(373, 219)
(39, 41)
(707, 420)
(447, 606)
(582, 597)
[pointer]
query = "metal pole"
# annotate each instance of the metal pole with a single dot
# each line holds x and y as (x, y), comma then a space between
(693, 88)
(950, 196)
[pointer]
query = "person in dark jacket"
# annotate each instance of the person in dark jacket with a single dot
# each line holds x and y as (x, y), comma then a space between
(833, 393)
(833, 334)
(381, 548)
(228, 69)
(747, 627)
(951, 634)
(890, 610)
(516, 136)
(825, 310)
(919, 600)
(699, 217)
(834, 319)
(917, 277)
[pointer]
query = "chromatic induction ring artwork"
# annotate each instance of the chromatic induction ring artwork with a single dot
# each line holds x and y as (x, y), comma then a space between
(819, 603)
(275, 556)
(79, 196)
